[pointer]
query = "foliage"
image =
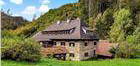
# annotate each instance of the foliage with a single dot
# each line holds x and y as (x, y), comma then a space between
(92, 8)
(26, 30)
(91, 23)
(88, 11)
(104, 23)
(122, 32)
(9, 22)
(17, 48)
(134, 41)
(113, 50)
(122, 26)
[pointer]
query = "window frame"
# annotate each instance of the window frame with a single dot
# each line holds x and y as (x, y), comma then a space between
(85, 44)
(72, 44)
(71, 55)
(63, 43)
(95, 43)
(54, 43)
(86, 54)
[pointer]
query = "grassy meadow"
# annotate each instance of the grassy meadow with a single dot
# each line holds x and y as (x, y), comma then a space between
(53, 62)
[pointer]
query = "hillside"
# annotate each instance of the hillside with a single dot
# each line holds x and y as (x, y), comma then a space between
(70, 11)
(98, 14)
(11, 22)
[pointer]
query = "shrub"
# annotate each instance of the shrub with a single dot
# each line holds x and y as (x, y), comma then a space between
(18, 48)
(125, 50)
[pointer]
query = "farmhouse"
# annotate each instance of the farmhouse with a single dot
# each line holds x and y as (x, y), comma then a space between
(73, 38)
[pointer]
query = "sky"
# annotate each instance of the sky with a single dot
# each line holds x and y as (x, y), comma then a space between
(29, 8)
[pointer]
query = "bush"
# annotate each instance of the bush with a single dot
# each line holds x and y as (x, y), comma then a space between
(125, 50)
(18, 48)
(130, 47)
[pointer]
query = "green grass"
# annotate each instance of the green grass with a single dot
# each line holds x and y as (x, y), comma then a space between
(50, 62)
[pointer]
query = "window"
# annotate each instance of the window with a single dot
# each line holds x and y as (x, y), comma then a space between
(86, 54)
(94, 52)
(86, 44)
(54, 43)
(62, 43)
(71, 44)
(72, 30)
(71, 54)
(67, 31)
(95, 43)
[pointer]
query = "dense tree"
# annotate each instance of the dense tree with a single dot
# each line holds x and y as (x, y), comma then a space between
(122, 25)
(126, 34)
(104, 23)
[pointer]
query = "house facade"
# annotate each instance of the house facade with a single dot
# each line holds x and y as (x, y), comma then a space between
(74, 36)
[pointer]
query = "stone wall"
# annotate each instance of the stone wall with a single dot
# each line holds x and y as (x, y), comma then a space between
(79, 49)
(90, 48)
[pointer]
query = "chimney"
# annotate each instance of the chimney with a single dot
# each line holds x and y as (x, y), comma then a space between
(58, 22)
(78, 18)
(68, 20)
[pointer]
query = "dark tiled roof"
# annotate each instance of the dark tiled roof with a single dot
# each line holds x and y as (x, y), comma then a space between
(78, 32)
(63, 25)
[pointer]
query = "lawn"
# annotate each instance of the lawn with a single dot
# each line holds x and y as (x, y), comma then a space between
(50, 62)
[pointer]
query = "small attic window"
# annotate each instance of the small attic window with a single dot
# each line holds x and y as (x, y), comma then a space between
(72, 30)
(84, 30)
